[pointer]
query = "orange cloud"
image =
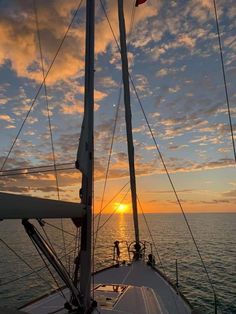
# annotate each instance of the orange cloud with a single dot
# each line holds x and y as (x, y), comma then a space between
(6, 117)
(19, 42)
(187, 40)
(72, 109)
(98, 95)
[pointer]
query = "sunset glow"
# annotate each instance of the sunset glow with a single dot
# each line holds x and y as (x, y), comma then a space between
(121, 208)
(174, 62)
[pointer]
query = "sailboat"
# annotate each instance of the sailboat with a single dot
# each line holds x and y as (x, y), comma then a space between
(134, 287)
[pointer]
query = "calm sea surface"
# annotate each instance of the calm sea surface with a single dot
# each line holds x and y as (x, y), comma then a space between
(215, 235)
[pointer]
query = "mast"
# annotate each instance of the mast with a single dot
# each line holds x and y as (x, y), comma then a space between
(85, 159)
(128, 116)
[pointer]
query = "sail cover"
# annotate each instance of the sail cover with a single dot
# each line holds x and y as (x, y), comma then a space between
(82, 161)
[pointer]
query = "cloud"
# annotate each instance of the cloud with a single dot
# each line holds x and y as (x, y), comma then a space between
(102, 28)
(142, 85)
(177, 147)
(152, 147)
(231, 12)
(10, 126)
(180, 165)
(6, 117)
(73, 108)
(3, 101)
(231, 193)
(32, 120)
(106, 82)
(174, 89)
(187, 41)
(187, 108)
(99, 95)
(19, 42)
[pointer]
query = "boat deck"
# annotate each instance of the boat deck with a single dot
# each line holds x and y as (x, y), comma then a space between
(135, 288)
(141, 275)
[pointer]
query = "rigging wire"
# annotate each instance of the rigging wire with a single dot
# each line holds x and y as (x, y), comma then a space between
(41, 85)
(73, 235)
(151, 236)
(34, 167)
(34, 172)
(35, 271)
(224, 79)
(53, 226)
(47, 266)
(76, 247)
(47, 237)
(65, 255)
(22, 277)
(49, 270)
(165, 168)
(24, 261)
(27, 115)
(109, 23)
(114, 211)
(175, 191)
(108, 165)
(112, 198)
(110, 151)
(4, 174)
(49, 119)
(46, 99)
(115, 121)
(132, 20)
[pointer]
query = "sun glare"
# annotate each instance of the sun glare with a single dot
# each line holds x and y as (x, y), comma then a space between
(122, 208)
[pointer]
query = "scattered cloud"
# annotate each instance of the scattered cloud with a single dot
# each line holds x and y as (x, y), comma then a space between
(231, 193)
(72, 109)
(20, 45)
(3, 101)
(172, 52)
(177, 147)
(106, 82)
(6, 117)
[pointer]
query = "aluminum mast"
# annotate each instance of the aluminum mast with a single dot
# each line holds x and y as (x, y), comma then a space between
(128, 115)
(85, 159)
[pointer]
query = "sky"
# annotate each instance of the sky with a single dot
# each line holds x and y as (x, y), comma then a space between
(174, 62)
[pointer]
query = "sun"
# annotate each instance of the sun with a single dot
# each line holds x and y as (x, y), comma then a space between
(121, 208)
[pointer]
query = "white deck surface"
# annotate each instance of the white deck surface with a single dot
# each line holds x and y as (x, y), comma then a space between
(160, 297)
(139, 274)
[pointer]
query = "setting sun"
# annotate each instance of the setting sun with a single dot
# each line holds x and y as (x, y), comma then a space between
(122, 208)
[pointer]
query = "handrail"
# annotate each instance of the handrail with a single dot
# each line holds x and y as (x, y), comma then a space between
(145, 246)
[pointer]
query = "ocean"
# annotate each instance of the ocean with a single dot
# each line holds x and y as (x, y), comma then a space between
(215, 235)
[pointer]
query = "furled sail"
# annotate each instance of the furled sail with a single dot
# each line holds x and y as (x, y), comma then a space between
(82, 161)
